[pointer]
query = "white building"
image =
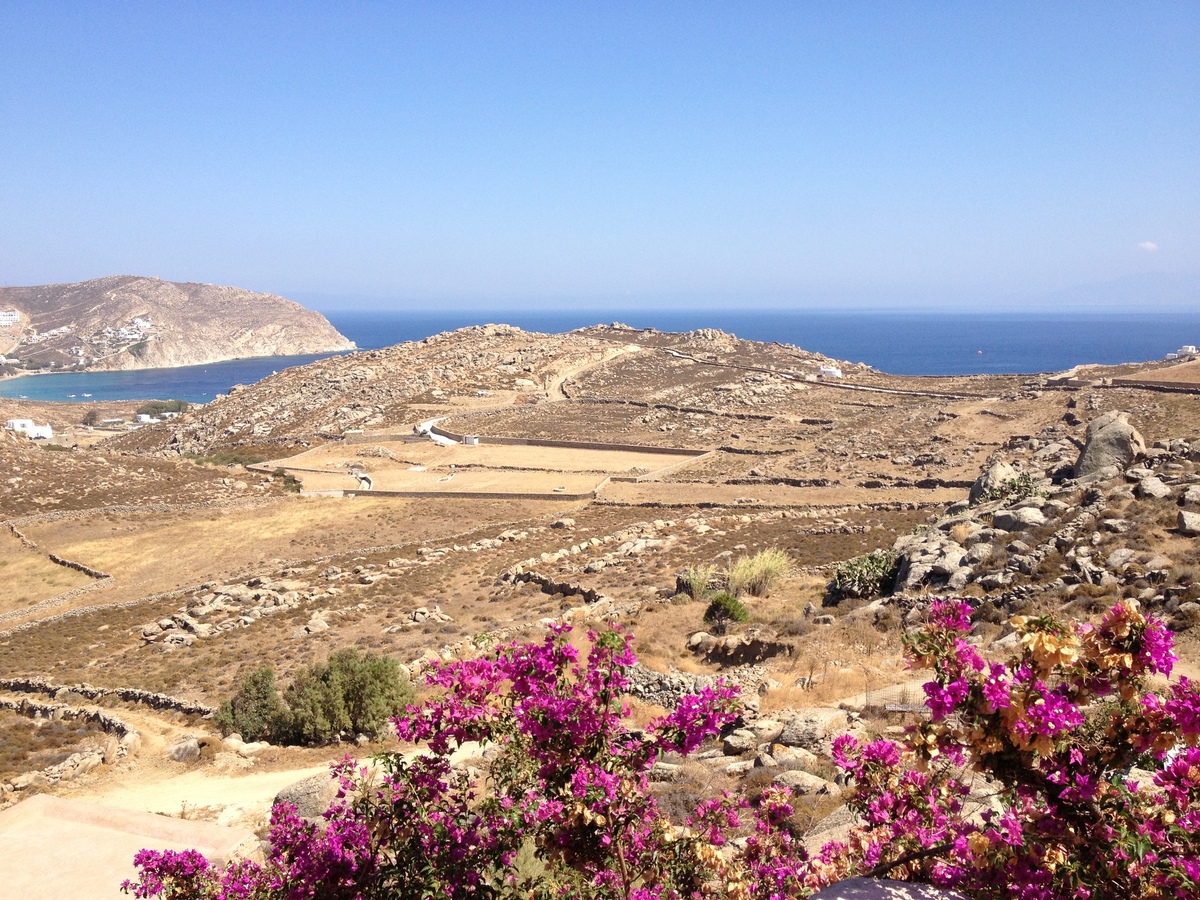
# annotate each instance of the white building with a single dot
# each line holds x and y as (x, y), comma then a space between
(831, 372)
(9, 318)
(31, 431)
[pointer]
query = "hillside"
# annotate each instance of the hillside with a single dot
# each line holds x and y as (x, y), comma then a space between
(489, 367)
(614, 475)
(130, 322)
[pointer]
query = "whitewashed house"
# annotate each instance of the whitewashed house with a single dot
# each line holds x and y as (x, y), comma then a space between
(831, 372)
(9, 318)
(30, 430)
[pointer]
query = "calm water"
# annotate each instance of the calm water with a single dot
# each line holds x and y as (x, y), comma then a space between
(897, 342)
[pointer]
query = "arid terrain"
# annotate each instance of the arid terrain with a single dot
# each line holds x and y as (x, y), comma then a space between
(130, 322)
(338, 505)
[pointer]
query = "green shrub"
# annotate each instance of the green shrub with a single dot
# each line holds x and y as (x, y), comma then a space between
(353, 693)
(756, 575)
(255, 711)
(723, 609)
(1014, 490)
(866, 575)
(290, 482)
(158, 407)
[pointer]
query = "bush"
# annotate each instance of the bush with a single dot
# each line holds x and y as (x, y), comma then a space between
(158, 407)
(290, 482)
(866, 575)
(756, 575)
(696, 581)
(563, 809)
(353, 693)
(255, 711)
(723, 609)
(1014, 490)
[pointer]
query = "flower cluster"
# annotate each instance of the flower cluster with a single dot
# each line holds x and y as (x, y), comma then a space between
(1046, 743)
(1023, 784)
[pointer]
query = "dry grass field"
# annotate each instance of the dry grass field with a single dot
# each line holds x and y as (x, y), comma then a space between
(479, 468)
(28, 576)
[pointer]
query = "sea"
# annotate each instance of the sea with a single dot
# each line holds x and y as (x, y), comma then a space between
(899, 342)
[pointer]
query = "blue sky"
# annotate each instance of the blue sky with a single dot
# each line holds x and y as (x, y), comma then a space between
(455, 154)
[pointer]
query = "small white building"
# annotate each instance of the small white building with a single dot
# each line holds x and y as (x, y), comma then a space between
(9, 318)
(30, 430)
(146, 419)
(831, 372)
(470, 439)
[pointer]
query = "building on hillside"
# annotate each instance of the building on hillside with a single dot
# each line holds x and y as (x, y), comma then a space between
(831, 372)
(9, 318)
(30, 430)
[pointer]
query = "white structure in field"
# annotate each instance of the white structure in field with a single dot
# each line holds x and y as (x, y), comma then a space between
(831, 372)
(9, 318)
(31, 431)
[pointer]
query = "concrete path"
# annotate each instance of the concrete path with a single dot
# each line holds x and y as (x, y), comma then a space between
(56, 849)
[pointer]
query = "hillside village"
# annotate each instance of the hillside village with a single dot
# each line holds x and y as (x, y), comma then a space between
(430, 500)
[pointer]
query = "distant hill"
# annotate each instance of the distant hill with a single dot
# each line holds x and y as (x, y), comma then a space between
(131, 322)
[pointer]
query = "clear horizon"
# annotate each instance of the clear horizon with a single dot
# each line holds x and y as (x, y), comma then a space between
(466, 156)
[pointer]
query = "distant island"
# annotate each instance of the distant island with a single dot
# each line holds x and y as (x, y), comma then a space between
(133, 322)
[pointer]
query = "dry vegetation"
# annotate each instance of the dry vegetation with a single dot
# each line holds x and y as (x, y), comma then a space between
(803, 476)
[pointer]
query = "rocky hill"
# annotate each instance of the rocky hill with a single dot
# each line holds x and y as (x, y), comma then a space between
(486, 366)
(130, 322)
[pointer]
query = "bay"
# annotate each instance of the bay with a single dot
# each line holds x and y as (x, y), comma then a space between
(900, 342)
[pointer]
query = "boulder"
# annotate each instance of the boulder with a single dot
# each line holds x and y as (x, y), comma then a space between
(186, 749)
(740, 741)
(1189, 523)
(1191, 497)
(311, 796)
(1152, 488)
(804, 783)
(991, 480)
(1111, 441)
(1018, 519)
(807, 728)
(1120, 558)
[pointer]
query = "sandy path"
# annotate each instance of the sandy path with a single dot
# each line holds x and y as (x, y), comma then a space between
(238, 795)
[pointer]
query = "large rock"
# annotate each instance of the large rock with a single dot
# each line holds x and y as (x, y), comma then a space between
(1152, 488)
(997, 473)
(808, 728)
(882, 889)
(311, 796)
(803, 782)
(186, 749)
(1018, 519)
(1189, 523)
(1111, 441)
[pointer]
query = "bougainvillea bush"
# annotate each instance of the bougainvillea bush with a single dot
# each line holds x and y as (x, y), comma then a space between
(1019, 786)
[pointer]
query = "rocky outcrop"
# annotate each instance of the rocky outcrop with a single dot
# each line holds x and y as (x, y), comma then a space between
(1111, 441)
(992, 481)
(130, 322)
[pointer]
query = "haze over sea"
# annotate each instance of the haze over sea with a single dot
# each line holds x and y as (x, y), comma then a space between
(902, 343)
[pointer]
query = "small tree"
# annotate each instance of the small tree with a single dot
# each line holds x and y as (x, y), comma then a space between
(723, 609)
(353, 692)
(91, 417)
(254, 711)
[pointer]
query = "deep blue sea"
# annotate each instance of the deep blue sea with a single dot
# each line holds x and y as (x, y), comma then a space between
(903, 343)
